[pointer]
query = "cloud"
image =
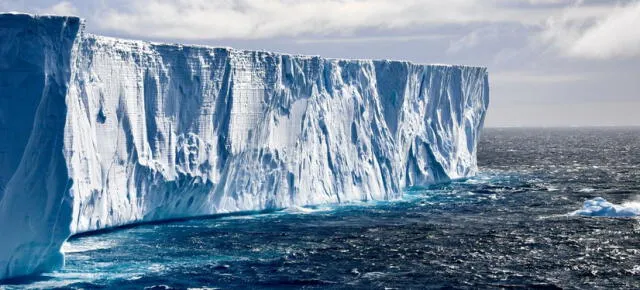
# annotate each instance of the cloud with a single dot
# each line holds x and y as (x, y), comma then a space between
(385, 38)
(251, 19)
(474, 38)
(610, 35)
(61, 8)
(468, 41)
(528, 77)
(616, 35)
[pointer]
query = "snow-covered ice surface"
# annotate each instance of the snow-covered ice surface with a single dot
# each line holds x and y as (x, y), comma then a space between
(99, 132)
(600, 207)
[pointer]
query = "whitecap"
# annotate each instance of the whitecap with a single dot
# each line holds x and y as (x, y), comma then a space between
(587, 190)
(86, 245)
(552, 188)
(306, 210)
(156, 267)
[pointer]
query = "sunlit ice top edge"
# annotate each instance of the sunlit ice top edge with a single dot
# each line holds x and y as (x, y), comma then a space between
(182, 45)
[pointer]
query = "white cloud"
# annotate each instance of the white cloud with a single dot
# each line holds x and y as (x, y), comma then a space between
(616, 35)
(61, 8)
(613, 34)
(215, 19)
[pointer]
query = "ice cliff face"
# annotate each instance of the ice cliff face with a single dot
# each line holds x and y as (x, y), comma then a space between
(98, 132)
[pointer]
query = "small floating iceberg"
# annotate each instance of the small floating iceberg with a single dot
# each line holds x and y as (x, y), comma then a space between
(600, 207)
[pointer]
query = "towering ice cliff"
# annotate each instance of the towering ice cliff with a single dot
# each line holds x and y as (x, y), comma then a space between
(97, 132)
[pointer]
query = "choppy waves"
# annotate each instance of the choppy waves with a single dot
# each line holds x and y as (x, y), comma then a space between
(509, 227)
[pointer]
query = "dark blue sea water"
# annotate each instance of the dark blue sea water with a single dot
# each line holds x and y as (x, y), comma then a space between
(507, 228)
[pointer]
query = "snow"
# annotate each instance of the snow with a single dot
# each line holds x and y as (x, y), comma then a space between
(100, 132)
(600, 207)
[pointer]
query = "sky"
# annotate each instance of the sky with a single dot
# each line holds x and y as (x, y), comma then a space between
(552, 63)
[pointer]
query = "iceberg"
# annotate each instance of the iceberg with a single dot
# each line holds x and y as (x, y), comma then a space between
(99, 132)
(600, 207)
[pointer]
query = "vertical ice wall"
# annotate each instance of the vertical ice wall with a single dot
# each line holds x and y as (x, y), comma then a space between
(132, 131)
(35, 205)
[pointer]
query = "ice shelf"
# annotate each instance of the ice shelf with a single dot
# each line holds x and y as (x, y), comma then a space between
(98, 132)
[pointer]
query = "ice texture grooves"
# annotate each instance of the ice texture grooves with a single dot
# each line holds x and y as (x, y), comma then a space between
(100, 132)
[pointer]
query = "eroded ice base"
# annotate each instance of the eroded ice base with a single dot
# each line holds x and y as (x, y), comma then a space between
(107, 132)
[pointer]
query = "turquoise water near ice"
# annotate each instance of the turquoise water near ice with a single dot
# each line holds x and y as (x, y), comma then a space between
(508, 227)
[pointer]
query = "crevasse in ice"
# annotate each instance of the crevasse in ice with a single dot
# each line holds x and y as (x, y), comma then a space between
(98, 132)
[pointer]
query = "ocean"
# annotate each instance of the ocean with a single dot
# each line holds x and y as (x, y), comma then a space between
(519, 224)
